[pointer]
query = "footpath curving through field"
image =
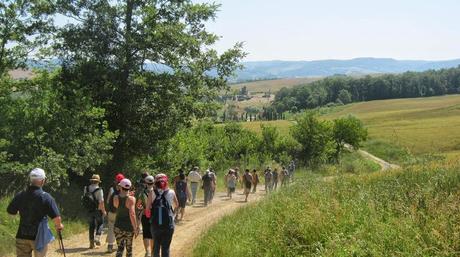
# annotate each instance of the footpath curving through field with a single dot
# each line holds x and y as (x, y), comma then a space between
(383, 164)
(196, 221)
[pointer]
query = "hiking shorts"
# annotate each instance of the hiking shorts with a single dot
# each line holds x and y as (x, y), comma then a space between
(231, 189)
(247, 190)
(146, 232)
(182, 202)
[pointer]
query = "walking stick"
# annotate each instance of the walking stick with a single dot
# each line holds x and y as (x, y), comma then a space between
(61, 243)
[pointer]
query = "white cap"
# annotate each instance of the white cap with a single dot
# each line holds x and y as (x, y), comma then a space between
(149, 179)
(125, 183)
(37, 174)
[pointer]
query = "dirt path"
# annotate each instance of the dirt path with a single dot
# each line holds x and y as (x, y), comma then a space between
(383, 164)
(196, 221)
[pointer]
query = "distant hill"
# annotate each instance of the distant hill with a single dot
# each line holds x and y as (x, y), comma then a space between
(358, 66)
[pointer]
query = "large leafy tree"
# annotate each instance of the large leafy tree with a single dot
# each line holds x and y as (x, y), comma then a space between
(149, 63)
(315, 138)
(348, 130)
(25, 26)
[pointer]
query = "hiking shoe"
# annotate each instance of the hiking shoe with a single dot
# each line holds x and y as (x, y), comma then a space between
(147, 254)
(91, 245)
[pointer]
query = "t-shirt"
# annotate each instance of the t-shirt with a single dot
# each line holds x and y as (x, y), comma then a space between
(194, 176)
(33, 205)
(99, 194)
(231, 181)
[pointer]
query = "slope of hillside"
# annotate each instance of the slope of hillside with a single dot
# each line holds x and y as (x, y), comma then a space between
(292, 69)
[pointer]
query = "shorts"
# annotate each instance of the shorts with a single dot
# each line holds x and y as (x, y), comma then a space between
(231, 189)
(146, 232)
(182, 202)
(247, 190)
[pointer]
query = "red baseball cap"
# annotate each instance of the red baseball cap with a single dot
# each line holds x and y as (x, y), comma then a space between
(119, 177)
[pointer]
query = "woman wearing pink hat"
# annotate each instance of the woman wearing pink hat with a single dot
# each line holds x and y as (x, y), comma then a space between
(125, 223)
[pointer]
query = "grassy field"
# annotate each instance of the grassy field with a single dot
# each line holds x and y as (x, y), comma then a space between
(412, 212)
(421, 125)
(273, 85)
(402, 127)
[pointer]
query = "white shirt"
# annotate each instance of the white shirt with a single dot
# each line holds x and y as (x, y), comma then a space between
(99, 194)
(194, 176)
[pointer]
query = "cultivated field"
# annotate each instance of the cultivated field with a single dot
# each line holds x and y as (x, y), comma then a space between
(423, 125)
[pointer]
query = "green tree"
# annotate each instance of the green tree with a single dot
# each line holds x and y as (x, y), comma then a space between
(344, 96)
(49, 125)
(24, 28)
(348, 130)
(315, 138)
(111, 50)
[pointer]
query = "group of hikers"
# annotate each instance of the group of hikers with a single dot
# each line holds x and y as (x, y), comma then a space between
(149, 205)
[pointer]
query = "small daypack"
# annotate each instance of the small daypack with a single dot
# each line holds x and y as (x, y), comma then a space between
(111, 207)
(207, 180)
(89, 201)
(162, 213)
(181, 189)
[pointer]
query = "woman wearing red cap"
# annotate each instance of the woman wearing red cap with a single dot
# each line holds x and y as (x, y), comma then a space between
(112, 212)
(160, 209)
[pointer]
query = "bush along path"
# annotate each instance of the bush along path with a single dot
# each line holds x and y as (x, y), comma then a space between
(197, 220)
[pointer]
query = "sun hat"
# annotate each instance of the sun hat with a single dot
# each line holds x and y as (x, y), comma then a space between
(149, 179)
(95, 178)
(161, 176)
(125, 183)
(119, 177)
(37, 174)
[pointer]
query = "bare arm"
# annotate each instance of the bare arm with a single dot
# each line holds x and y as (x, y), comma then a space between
(175, 202)
(132, 212)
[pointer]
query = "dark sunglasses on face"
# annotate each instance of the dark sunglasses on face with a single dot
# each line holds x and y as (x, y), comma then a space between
(125, 189)
(150, 184)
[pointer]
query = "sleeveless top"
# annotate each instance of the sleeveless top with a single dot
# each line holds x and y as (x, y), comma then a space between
(123, 221)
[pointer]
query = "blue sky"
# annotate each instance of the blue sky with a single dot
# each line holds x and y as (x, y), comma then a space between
(340, 29)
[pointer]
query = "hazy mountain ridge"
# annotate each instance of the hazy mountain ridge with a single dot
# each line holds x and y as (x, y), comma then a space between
(290, 69)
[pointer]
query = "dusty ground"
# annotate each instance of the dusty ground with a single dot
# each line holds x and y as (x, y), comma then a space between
(196, 221)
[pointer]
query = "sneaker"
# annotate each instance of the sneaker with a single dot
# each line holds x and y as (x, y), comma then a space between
(147, 254)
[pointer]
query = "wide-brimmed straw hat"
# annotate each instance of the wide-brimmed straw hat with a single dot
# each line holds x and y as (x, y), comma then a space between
(95, 178)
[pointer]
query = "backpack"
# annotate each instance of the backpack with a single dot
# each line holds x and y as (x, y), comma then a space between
(89, 201)
(181, 190)
(111, 207)
(207, 180)
(162, 212)
(248, 180)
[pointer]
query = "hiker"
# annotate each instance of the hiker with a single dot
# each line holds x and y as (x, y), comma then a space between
(160, 207)
(195, 179)
(93, 201)
(247, 183)
(182, 194)
(213, 184)
(255, 180)
(275, 179)
(126, 222)
(34, 207)
(231, 181)
(141, 205)
(268, 175)
(285, 176)
(177, 178)
(207, 187)
(112, 212)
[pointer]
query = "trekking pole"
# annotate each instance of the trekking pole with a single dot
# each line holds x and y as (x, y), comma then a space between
(61, 243)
